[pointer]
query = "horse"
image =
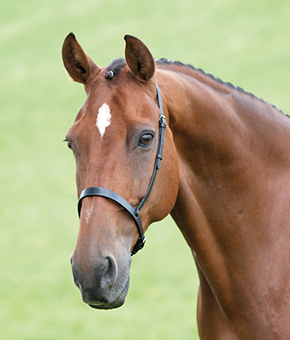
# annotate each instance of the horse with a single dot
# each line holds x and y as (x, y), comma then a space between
(224, 178)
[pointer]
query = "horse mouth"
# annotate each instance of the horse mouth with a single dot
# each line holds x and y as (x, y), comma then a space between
(118, 302)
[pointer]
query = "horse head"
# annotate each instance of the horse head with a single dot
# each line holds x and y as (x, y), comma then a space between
(114, 140)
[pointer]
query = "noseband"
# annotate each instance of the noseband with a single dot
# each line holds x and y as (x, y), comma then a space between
(135, 213)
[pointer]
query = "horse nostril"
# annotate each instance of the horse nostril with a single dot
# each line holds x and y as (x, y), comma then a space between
(75, 277)
(110, 273)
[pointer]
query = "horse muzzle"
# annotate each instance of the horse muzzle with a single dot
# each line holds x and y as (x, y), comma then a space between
(103, 284)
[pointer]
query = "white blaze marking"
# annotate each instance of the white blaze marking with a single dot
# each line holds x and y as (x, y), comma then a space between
(103, 119)
(89, 214)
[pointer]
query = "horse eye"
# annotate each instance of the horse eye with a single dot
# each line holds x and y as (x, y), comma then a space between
(68, 143)
(146, 139)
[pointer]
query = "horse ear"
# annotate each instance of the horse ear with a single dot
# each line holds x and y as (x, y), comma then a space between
(139, 58)
(78, 65)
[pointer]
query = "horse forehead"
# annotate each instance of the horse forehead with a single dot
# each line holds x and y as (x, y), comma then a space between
(117, 107)
(120, 104)
(109, 120)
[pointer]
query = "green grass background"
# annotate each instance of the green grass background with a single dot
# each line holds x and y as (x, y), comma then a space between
(244, 42)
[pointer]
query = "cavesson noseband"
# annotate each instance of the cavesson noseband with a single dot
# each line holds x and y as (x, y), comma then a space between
(135, 213)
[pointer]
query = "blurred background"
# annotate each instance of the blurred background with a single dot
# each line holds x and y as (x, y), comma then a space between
(244, 42)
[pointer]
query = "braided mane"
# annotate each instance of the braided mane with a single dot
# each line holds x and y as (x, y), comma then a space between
(164, 61)
(117, 64)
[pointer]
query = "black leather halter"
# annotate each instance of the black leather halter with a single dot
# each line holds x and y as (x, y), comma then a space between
(135, 213)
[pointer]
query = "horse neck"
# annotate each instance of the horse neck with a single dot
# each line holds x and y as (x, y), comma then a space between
(232, 204)
(229, 145)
